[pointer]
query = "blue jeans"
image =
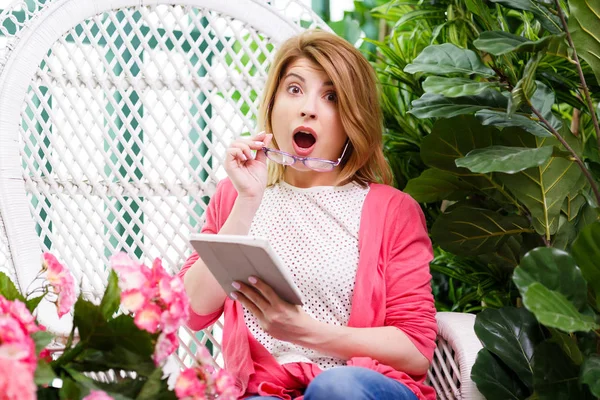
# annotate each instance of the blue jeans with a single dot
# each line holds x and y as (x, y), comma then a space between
(343, 383)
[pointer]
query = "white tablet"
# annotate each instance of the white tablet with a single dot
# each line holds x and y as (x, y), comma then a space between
(235, 258)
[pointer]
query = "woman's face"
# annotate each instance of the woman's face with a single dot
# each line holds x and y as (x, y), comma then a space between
(305, 118)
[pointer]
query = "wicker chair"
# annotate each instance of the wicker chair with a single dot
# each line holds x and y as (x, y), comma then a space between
(114, 117)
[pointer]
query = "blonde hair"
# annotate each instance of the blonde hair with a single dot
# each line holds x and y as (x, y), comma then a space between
(358, 104)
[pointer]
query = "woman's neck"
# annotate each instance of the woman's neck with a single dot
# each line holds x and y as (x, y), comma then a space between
(306, 179)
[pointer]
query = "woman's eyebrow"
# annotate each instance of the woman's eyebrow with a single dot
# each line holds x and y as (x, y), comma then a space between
(301, 79)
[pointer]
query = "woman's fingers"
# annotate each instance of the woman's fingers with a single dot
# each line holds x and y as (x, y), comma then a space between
(237, 154)
(254, 296)
(260, 155)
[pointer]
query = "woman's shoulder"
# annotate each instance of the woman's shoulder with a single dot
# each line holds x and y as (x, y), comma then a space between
(386, 194)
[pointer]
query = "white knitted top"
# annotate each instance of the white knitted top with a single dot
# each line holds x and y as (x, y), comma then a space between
(315, 233)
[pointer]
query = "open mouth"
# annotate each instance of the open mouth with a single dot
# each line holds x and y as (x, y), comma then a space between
(304, 140)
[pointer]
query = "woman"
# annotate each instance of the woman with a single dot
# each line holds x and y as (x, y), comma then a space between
(358, 250)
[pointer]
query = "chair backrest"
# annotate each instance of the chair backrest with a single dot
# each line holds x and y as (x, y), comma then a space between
(114, 120)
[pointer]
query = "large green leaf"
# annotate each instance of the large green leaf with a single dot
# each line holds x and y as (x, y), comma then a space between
(556, 270)
(586, 250)
(502, 119)
(583, 25)
(504, 159)
(436, 185)
(44, 374)
(575, 200)
(555, 376)
(495, 380)
(112, 296)
(91, 324)
(542, 189)
(448, 59)
(565, 235)
(554, 310)
(456, 137)
(568, 343)
(590, 374)
(543, 100)
(41, 340)
(8, 289)
(526, 86)
(435, 105)
(455, 87)
(500, 42)
(473, 231)
(511, 334)
(548, 20)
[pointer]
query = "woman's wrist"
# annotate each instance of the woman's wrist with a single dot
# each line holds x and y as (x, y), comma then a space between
(241, 216)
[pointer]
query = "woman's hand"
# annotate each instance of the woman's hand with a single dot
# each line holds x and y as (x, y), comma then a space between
(248, 173)
(280, 319)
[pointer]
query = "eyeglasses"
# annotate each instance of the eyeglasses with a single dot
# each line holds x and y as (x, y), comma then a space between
(316, 164)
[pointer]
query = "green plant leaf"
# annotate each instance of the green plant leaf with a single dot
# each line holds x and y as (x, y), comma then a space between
(546, 18)
(441, 59)
(454, 138)
(495, 380)
(575, 200)
(153, 386)
(500, 42)
(543, 100)
(501, 119)
(584, 20)
(91, 324)
(41, 340)
(588, 215)
(526, 86)
(568, 343)
(554, 269)
(33, 303)
(112, 296)
(554, 374)
(130, 336)
(565, 235)
(455, 87)
(590, 374)
(586, 250)
(44, 374)
(435, 105)
(473, 231)
(436, 185)
(504, 159)
(554, 310)
(542, 189)
(511, 334)
(8, 289)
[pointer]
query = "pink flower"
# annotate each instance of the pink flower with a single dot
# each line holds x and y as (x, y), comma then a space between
(133, 300)
(132, 275)
(16, 380)
(225, 385)
(19, 311)
(188, 386)
(97, 395)
(148, 317)
(165, 346)
(62, 283)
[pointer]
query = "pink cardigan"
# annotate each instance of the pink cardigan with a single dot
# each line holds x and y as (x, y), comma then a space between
(392, 289)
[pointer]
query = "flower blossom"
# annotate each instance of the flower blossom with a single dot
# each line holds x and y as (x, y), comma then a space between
(17, 351)
(158, 300)
(62, 283)
(199, 384)
(97, 395)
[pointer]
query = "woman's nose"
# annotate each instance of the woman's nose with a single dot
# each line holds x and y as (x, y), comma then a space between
(309, 108)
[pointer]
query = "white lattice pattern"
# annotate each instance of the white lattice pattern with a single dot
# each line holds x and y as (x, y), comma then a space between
(124, 129)
(112, 135)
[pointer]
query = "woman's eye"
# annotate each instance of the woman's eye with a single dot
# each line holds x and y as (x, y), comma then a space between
(332, 97)
(293, 89)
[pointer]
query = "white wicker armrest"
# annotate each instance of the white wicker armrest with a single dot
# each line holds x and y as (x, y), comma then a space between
(457, 347)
